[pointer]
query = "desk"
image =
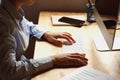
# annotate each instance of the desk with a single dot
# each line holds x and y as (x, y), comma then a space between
(108, 62)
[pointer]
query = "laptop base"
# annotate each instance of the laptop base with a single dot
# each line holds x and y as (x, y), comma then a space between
(102, 46)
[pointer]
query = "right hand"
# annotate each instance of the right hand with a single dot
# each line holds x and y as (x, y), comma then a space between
(53, 37)
(69, 60)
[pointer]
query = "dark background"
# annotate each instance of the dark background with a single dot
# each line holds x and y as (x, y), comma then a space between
(104, 6)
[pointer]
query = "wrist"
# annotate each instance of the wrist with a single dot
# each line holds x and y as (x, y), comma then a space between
(44, 36)
(54, 61)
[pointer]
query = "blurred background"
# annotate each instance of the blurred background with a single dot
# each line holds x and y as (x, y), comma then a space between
(109, 7)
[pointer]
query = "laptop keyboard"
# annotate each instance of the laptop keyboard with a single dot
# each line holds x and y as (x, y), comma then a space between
(76, 47)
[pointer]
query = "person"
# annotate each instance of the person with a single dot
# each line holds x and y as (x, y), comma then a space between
(15, 32)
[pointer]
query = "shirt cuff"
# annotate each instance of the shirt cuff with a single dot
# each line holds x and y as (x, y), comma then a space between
(42, 64)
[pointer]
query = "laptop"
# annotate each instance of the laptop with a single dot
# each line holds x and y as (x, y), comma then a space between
(105, 41)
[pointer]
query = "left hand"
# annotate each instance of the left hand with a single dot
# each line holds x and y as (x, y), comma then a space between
(69, 60)
(59, 38)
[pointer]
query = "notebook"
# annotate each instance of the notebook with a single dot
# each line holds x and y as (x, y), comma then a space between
(87, 73)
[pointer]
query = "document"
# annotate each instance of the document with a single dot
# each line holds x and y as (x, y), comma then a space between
(87, 73)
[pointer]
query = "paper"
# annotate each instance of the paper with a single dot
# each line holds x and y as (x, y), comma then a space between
(87, 73)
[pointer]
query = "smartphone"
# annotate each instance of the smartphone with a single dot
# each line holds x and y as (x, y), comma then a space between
(72, 21)
(110, 24)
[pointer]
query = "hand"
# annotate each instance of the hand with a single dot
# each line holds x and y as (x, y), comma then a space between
(56, 38)
(69, 60)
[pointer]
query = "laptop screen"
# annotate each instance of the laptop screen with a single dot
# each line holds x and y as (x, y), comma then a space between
(107, 26)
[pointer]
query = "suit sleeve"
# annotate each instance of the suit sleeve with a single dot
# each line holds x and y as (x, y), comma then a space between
(12, 68)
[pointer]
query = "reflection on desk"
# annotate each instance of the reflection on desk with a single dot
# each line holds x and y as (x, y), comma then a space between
(108, 62)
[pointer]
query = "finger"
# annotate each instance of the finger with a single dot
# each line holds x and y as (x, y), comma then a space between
(78, 62)
(70, 37)
(67, 39)
(67, 33)
(79, 56)
(82, 62)
(83, 54)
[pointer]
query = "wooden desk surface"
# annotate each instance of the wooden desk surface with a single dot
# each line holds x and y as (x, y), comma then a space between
(108, 62)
